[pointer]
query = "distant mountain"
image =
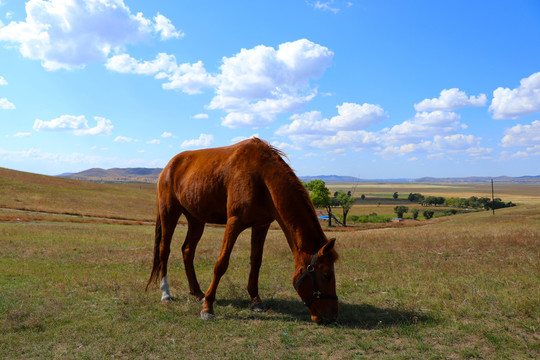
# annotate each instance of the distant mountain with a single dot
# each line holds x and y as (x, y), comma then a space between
(148, 175)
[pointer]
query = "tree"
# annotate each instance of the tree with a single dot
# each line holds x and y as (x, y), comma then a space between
(428, 214)
(363, 197)
(320, 196)
(346, 202)
(415, 213)
(395, 196)
(400, 210)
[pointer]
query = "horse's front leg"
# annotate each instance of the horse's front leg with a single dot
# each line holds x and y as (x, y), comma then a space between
(258, 236)
(233, 229)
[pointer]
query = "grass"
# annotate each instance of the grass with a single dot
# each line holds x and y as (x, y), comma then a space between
(459, 287)
(465, 288)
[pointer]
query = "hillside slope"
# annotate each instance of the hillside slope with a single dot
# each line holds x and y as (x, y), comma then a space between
(27, 191)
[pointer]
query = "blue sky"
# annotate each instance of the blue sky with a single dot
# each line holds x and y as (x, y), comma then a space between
(373, 89)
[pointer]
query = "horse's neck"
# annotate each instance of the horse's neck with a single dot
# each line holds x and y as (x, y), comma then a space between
(296, 216)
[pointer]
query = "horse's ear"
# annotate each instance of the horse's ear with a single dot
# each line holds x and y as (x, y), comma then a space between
(328, 247)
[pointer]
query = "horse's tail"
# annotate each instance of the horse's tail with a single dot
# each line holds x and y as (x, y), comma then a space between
(156, 268)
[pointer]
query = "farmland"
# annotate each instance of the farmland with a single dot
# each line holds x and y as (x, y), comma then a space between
(74, 264)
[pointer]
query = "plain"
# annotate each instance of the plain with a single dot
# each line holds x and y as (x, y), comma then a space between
(72, 286)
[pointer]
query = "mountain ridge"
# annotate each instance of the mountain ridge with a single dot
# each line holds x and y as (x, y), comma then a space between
(151, 175)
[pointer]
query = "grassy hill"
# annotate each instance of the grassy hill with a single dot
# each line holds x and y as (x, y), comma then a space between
(116, 175)
(27, 191)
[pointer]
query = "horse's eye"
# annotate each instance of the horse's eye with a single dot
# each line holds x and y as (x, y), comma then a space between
(327, 276)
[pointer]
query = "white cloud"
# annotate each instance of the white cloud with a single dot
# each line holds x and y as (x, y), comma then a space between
(423, 125)
(78, 124)
(355, 139)
(154, 142)
(350, 117)
(166, 28)
(22, 134)
(3, 81)
(522, 135)
(200, 116)
(326, 6)
(166, 135)
(6, 105)
(204, 140)
(189, 78)
(455, 142)
(123, 139)
(256, 84)
(451, 99)
(67, 34)
(513, 103)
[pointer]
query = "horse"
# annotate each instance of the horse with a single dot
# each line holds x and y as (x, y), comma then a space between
(244, 185)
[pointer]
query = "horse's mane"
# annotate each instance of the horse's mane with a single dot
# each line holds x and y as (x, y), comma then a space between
(276, 156)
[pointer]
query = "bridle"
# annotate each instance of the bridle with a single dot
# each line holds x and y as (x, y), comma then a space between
(316, 293)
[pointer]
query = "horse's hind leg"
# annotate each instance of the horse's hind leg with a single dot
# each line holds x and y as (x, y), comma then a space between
(194, 233)
(258, 236)
(169, 218)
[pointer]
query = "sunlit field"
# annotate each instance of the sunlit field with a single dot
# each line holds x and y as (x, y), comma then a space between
(459, 287)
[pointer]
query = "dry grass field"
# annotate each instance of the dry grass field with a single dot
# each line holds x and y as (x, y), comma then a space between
(459, 287)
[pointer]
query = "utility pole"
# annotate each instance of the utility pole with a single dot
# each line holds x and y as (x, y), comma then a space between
(492, 198)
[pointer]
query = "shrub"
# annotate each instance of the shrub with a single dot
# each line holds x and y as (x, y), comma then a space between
(428, 214)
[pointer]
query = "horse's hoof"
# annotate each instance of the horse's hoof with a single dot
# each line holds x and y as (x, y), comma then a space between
(200, 301)
(259, 307)
(167, 299)
(207, 315)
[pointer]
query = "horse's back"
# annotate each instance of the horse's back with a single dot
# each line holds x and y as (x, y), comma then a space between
(210, 183)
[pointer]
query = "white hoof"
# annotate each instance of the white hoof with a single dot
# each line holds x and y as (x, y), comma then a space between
(207, 316)
(166, 299)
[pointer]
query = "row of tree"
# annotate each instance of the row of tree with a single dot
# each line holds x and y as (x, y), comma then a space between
(472, 202)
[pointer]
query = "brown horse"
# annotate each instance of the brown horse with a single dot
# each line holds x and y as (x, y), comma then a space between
(243, 185)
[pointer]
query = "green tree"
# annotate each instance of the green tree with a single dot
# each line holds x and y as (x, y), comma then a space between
(400, 210)
(363, 197)
(320, 197)
(395, 196)
(428, 214)
(346, 202)
(415, 213)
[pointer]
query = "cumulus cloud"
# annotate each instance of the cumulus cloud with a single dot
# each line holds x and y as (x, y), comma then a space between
(204, 140)
(513, 103)
(5, 104)
(189, 78)
(167, 134)
(257, 84)
(522, 135)
(424, 125)
(67, 34)
(78, 124)
(350, 116)
(450, 99)
(3, 81)
(22, 134)
(165, 28)
(123, 139)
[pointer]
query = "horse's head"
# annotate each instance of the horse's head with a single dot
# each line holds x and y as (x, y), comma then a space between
(315, 282)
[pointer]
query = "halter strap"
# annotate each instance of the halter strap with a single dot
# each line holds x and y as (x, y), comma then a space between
(310, 269)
